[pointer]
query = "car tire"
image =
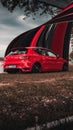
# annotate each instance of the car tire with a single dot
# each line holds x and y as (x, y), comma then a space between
(65, 67)
(10, 72)
(36, 68)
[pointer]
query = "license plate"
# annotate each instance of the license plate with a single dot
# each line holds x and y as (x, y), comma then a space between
(12, 66)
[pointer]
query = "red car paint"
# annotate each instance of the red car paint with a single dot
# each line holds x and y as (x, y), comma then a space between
(59, 37)
(33, 59)
(37, 36)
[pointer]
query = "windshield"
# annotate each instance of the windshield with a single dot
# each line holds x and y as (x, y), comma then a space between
(18, 52)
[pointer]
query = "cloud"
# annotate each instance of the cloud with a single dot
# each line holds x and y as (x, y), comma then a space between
(13, 24)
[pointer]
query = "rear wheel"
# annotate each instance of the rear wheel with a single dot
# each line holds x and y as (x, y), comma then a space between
(65, 67)
(36, 68)
(11, 72)
(14, 71)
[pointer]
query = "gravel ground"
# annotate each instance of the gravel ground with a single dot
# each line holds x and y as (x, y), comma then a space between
(29, 98)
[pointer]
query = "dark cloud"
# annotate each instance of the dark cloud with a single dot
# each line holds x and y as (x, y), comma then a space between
(12, 24)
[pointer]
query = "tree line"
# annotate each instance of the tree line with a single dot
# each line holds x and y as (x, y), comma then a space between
(30, 6)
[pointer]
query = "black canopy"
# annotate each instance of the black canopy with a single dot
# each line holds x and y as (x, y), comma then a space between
(58, 3)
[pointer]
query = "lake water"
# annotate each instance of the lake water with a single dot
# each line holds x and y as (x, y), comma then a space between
(1, 67)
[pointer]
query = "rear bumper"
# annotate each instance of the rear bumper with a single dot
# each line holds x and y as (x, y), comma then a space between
(17, 70)
(24, 67)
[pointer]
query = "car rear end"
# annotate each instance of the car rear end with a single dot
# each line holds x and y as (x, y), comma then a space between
(17, 61)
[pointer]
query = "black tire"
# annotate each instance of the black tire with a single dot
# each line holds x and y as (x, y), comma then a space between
(36, 68)
(10, 72)
(65, 67)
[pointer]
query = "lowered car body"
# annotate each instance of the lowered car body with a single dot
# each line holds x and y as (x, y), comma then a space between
(33, 59)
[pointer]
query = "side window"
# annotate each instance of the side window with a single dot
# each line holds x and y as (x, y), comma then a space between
(51, 54)
(43, 52)
(39, 51)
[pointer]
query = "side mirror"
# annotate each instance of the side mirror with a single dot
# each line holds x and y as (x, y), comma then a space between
(58, 56)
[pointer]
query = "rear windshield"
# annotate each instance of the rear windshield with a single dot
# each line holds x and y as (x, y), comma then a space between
(18, 52)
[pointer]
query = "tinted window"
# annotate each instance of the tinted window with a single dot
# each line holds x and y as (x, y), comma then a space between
(45, 52)
(18, 52)
(41, 51)
(51, 54)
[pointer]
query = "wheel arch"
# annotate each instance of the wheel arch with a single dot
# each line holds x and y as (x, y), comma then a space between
(38, 63)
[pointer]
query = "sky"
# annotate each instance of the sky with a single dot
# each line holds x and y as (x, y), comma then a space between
(12, 24)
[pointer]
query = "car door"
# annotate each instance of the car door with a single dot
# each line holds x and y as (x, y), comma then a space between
(41, 58)
(46, 60)
(53, 62)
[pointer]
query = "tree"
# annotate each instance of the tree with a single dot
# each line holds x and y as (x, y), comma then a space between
(30, 6)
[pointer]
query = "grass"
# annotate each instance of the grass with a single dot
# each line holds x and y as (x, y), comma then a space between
(27, 99)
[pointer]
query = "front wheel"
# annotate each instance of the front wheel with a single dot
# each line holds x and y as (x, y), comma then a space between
(65, 67)
(36, 68)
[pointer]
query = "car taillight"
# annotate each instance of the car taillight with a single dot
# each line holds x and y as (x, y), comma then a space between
(24, 57)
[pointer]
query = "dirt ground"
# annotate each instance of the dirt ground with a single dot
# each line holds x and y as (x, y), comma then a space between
(27, 99)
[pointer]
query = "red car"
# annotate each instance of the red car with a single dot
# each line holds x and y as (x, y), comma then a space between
(33, 59)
